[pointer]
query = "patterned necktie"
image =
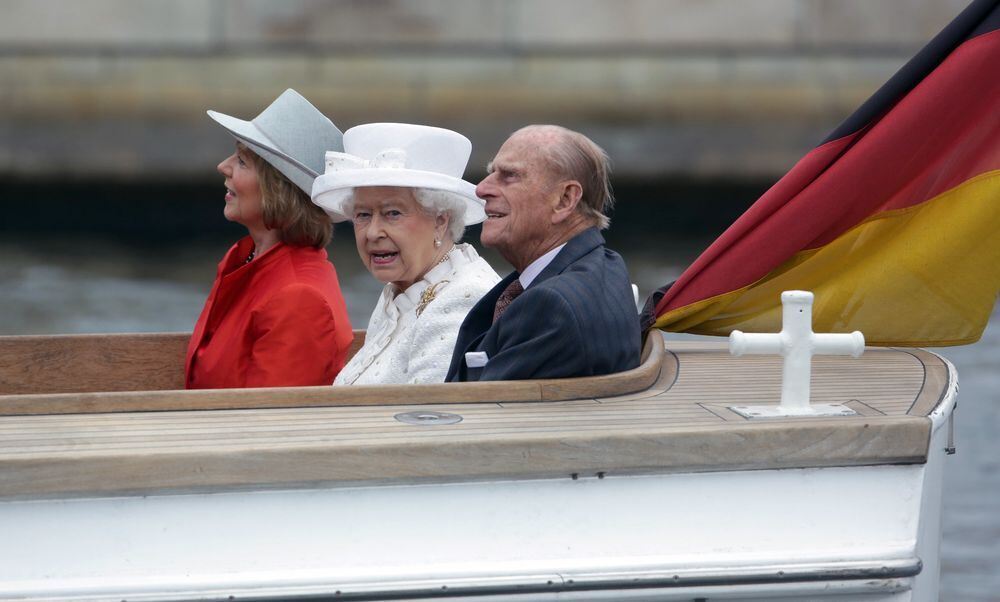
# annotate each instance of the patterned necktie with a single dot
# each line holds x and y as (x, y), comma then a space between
(507, 297)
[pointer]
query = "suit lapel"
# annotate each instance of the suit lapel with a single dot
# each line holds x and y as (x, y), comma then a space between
(476, 325)
(486, 304)
(475, 331)
(480, 317)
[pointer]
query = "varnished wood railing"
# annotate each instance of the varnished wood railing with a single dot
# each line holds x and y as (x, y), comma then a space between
(128, 373)
(83, 363)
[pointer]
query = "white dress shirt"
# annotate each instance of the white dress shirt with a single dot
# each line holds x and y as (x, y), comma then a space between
(535, 267)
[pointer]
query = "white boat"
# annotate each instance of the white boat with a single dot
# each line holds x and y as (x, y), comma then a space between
(645, 485)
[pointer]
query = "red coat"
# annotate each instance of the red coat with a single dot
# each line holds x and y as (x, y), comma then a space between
(277, 321)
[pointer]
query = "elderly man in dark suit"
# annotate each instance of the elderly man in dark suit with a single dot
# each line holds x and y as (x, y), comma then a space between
(568, 309)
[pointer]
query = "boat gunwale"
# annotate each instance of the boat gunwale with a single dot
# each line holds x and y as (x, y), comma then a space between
(627, 382)
(417, 454)
(770, 445)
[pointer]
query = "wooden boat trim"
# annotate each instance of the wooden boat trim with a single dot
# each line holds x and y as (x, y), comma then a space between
(674, 418)
(935, 382)
(638, 379)
(89, 362)
(83, 363)
(749, 446)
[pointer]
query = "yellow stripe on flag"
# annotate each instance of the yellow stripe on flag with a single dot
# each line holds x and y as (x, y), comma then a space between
(924, 275)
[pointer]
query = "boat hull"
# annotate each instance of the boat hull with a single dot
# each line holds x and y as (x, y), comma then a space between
(656, 494)
(857, 533)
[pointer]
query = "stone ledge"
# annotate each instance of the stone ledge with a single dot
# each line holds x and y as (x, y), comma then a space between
(511, 26)
(628, 89)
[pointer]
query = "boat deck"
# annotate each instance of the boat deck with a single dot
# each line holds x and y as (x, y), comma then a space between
(678, 421)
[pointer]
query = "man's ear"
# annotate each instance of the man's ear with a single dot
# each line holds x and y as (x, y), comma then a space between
(565, 205)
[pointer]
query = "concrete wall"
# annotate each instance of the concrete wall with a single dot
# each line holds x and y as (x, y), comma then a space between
(706, 87)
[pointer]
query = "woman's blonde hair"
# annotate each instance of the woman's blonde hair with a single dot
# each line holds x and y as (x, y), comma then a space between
(288, 209)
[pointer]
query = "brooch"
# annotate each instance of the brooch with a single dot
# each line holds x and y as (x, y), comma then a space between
(427, 296)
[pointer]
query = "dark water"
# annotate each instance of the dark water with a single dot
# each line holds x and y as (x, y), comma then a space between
(70, 284)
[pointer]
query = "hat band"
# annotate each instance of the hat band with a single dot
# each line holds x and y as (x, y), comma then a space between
(390, 158)
(256, 142)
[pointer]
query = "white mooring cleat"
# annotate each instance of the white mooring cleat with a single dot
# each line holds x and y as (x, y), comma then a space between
(797, 343)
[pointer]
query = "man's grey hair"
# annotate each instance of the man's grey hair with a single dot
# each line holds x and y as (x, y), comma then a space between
(576, 157)
(434, 203)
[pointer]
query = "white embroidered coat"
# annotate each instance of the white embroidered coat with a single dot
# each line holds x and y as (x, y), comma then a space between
(411, 335)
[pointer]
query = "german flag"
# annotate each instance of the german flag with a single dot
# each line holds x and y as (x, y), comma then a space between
(893, 221)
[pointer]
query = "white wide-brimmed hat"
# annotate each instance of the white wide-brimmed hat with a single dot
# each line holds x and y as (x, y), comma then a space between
(291, 135)
(398, 154)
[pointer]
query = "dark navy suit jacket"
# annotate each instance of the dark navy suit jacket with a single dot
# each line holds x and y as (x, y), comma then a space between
(577, 318)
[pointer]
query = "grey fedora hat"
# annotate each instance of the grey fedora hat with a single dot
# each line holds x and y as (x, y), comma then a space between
(290, 134)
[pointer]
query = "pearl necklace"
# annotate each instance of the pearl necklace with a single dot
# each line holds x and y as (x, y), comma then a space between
(440, 261)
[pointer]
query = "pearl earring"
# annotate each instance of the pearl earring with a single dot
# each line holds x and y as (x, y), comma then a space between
(437, 243)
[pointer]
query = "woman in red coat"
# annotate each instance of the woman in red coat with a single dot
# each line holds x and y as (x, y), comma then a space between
(275, 316)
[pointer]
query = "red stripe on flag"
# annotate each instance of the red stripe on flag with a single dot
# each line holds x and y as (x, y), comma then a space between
(942, 133)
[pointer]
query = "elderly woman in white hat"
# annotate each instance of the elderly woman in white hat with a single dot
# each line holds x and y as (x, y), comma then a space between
(401, 186)
(275, 316)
